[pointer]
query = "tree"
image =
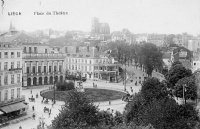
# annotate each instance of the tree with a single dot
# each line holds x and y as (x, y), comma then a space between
(63, 86)
(78, 112)
(162, 113)
(189, 87)
(176, 63)
(152, 88)
(150, 57)
(177, 72)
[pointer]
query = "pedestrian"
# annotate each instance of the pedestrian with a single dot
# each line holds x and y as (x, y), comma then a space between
(33, 108)
(93, 84)
(52, 105)
(20, 127)
(109, 102)
(132, 90)
(52, 99)
(33, 116)
(50, 111)
(49, 114)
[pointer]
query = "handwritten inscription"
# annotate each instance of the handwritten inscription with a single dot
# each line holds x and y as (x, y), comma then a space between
(50, 13)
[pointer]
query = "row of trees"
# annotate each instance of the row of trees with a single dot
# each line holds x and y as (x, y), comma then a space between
(145, 55)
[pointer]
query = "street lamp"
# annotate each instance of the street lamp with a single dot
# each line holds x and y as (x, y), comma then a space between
(184, 85)
(125, 79)
(54, 93)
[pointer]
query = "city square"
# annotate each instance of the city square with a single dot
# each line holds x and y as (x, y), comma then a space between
(93, 64)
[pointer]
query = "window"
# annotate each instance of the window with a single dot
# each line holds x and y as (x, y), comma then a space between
(60, 68)
(0, 80)
(50, 69)
(5, 54)
(12, 65)
(35, 49)
(88, 49)
(18, 92)
(5, 65)
(0, 66)
(18, 78)
(6, 95)
(77, 49)
(66, 50)
(45, 69)
(194, 63)
(12, 79)
(18, 64)
(45, 50)
(24, 50)
(12, 55)
(12, 93)
(39, 69)
(27, 70)
(18, 54)
(85, 68)
(33, 69)
(0, 54)
(29, 49)
(90, 62)
(55, 68)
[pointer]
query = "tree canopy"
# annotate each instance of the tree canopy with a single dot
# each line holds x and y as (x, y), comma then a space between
(189, 87)
(78, 112)
(176, 73)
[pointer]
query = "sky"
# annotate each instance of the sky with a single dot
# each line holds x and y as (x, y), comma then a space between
(139, 16)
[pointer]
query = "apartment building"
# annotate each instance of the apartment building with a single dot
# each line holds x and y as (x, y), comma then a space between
(90, 62)
(11, 99)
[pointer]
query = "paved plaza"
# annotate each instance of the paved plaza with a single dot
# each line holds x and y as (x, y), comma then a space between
(116, 105)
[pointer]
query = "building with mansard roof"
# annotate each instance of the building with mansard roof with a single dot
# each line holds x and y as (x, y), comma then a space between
(90, 62)
(11, 99)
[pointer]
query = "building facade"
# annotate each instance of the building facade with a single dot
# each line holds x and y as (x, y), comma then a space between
(11, 99)
(42, 65)
(89, 62)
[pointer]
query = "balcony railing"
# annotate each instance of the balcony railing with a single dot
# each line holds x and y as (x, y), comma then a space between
(44, 56)
(15, 100)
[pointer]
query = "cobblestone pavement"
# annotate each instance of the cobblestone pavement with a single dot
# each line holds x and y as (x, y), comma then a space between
(116, 105)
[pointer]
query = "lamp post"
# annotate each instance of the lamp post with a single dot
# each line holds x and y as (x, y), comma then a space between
(184, 93)
(54, 92)
(125, 79)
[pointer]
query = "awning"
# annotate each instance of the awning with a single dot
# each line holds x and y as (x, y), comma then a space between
(1, 113)
(13, 107)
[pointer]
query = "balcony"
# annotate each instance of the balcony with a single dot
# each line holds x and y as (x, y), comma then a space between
(15, 100)
(44, 56)
(15, 69)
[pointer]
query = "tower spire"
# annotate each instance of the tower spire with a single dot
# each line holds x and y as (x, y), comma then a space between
(11, 28)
